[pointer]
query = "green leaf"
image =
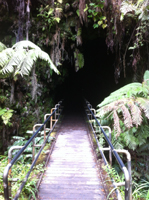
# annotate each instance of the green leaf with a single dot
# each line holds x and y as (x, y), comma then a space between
(50, 11)
(100, 22)
(104, 26)
(95, 13)
(86, 8)
(60, 1)
(101, 5)
(90, 11)
(139, 1)
(92, 4)
(2, 111)
(77, 11)
(95, 25)
(122, 17)
(6, 116)
(57, 19)
(131, 48)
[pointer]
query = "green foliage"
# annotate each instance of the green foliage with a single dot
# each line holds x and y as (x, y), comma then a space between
(47, 14)
(21, 141)
(2, 46)
(140, 190)
(95, 13)
(5, 115)
(21, 57)
(19, 171)
(126, 110)
(139, 12)
(116, 177)
(79, 60)
(22, 166)
(3, 163)
(2, 99)
(146, 77)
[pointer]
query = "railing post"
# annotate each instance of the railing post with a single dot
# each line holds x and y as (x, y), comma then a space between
(51, 120)
(33, 151)
(5, 181)
(45, 117)
(129, 169)
(110, 151)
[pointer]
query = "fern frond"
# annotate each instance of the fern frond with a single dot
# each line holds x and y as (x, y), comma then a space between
(144, 104)
(44, 56)
(130, 141)
(116, 123)
(127, 7)
(135, 112)
(2, 46)
(27, 63)
(25, 44)
(21, 57)
(33, 52)
(14, 62)
(129, 90)
(126, 116)
(5, 56)
(105, 109)
(146, 77)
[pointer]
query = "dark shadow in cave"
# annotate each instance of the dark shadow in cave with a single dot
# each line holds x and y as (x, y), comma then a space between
(95, 80)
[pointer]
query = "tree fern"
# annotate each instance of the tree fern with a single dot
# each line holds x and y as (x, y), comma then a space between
(116, 122)
(126, 116)
(132, 89)
(139, 9)
(13, 62)
(20, 58)
(126, 109)
(127, 104)
(126, 7)
(144, 104)
(5, 56)
(135, 112)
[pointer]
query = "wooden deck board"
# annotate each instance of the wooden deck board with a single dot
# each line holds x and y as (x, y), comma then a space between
(72, 172)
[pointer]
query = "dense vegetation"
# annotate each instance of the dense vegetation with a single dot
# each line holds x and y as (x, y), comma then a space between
(57, 30)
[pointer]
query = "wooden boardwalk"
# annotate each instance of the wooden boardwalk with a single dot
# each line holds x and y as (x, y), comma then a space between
(72, 171)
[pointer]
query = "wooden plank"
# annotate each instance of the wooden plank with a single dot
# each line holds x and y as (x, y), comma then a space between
(72, 172)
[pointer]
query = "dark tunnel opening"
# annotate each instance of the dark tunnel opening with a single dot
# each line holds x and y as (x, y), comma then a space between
(95, 80)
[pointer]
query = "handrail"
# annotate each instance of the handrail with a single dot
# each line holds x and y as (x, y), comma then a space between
(127, 173)
(11, 163)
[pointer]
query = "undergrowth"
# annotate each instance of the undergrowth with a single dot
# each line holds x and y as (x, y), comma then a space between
(140, 190)
(21, 168)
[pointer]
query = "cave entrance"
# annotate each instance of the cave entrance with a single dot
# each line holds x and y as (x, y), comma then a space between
(95, 80)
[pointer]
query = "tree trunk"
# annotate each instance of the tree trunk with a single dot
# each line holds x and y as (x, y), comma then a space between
(21, 6)
(12, 92)
(27, 20)
(34, 85)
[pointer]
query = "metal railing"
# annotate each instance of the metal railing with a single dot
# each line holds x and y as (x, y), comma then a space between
(127, 171)
(53, 117)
